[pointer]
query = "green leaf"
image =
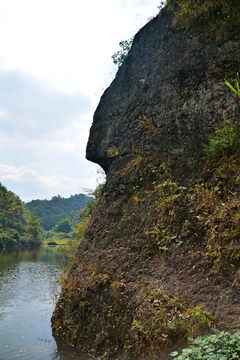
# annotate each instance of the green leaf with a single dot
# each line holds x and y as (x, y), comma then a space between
(237, 81)
(231, 87)
(174, 353)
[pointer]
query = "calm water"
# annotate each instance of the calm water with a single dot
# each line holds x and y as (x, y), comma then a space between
(28, 291)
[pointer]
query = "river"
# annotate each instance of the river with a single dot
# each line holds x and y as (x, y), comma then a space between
(28, 292)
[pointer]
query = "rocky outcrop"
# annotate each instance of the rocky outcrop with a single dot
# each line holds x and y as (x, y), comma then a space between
(144, 253)
(171, 76)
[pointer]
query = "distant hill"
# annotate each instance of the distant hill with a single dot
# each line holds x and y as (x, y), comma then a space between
(51, 211)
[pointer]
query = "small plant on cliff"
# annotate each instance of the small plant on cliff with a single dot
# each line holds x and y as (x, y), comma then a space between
(218, 16)
(119, 56)
(223, 142)
(237, 92)
(219, 346)
(190, 11)
(100, 279)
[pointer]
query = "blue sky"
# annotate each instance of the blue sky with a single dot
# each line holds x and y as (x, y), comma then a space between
(55, 62)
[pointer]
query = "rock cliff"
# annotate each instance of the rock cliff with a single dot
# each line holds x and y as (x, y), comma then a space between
(159, 259)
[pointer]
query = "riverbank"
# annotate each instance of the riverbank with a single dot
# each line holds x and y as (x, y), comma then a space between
(56, 240)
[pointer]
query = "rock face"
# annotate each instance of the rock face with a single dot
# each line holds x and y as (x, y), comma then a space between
(145, 248)
(172, 77)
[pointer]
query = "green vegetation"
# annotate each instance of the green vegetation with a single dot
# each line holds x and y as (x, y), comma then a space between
(66, 210)
(220, 17)
(57, 209)
(53, 243)
(73, 214)
(21, 227)
(224, 142)
(121, 55)
(69, 242)
(62, 226)
(18, 227)
(33, 228)
(219, 346)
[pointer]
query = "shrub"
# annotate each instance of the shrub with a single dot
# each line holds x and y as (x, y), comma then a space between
(62, 226)
(1, 243)
(219, 346)
(224, 141)
(216, 15)
(10, 238)
(52, 243)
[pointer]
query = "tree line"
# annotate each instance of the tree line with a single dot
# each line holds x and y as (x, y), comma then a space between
(18, 226)
(58, 209)
(38, 220)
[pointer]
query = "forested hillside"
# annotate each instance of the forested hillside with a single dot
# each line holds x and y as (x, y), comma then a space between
(58, 208)
(18, 226)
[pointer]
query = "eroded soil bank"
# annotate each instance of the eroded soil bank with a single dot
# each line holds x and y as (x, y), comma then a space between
(159, 261)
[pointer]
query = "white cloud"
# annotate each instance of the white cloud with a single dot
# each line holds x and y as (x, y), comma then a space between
(24, 177)
(12, 173)
(36, 120)
(68, 43)
(27, 106)
(55, 59)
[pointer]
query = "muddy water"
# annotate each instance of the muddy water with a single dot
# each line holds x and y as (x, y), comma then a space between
(28, 291)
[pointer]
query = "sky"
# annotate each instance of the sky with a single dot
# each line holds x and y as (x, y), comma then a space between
(55, 62)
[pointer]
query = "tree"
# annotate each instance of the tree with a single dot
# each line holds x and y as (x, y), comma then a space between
(62, 226)
(2, 222)
(57, 209)
(33, 228)
(121, 55)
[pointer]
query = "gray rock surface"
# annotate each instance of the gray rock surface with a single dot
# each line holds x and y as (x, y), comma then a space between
(171, 76)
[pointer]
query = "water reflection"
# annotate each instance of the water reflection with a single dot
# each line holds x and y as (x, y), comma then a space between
(28, 291)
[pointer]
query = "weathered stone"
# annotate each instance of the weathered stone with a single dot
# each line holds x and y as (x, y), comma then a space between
(175, 78)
